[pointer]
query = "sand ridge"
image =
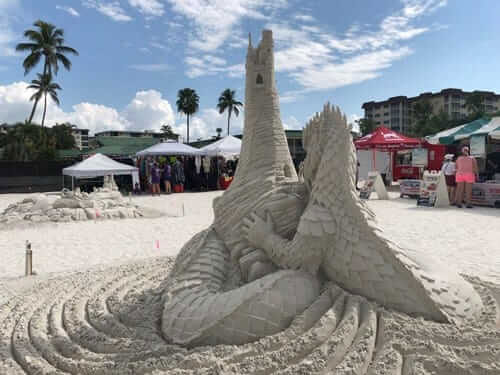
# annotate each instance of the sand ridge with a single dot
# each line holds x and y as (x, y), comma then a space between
(107, 322)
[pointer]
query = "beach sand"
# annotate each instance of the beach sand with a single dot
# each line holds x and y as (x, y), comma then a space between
(465, 238)
(95, 305)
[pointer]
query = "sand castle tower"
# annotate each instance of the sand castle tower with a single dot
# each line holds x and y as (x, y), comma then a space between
(265, 159)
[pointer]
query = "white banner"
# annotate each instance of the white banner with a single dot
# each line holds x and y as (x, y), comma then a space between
(478, 146)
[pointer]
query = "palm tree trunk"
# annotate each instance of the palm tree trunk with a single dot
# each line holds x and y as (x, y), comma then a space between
(188, 128)
(33, 111)
(228, 119)
(44, 109)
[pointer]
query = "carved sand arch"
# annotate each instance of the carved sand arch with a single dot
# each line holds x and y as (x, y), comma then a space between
(118, 321)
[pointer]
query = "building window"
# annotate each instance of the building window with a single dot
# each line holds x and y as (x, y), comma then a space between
(386, 113)
(260, 80)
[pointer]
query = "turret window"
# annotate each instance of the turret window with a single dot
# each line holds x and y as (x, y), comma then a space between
(260, 80)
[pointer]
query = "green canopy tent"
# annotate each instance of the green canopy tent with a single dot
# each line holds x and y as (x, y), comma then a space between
(449, 136)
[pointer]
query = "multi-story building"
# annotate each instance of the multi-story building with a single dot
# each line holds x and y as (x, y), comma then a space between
(397, 112)
(124, 133)
(81, 138)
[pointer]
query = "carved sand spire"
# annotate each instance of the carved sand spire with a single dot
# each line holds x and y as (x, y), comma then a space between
(265, 159)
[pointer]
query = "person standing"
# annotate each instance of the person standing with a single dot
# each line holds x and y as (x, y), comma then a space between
(465, 177)
(167, 177)
(155, 179)
(449, 170)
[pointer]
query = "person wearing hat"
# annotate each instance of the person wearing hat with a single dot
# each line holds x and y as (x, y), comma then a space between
(465, 177)
(449, 170)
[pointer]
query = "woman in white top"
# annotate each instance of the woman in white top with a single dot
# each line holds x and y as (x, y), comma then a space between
(449, 170)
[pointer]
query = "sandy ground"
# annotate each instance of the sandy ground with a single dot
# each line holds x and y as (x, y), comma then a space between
(467, 239)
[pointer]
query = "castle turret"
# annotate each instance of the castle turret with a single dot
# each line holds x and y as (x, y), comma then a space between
(265, 159)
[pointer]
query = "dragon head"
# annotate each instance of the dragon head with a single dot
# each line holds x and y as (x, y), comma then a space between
(316, 135)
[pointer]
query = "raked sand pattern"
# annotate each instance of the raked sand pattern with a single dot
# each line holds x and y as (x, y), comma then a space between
(108, 322)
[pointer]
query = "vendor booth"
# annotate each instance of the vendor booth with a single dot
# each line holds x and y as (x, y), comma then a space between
(228, 147)
(99, 165)
(169, 148)
(384, 140)
(483, 138)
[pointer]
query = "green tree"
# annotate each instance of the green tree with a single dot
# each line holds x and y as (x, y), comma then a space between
(63, 135)
(45, 41)
(366, 126)
(219, 132)
(167, 132)
(227, 101)
(44, 86)
(27, 142)
(188, 102)
(422, 113)
(474, 103)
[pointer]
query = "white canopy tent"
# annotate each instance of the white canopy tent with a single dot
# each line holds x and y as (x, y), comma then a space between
(227, 147)
(100, 165)
(169, 148)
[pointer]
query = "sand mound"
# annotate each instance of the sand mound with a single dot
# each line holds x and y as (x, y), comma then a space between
(68, 206)
(108, 322)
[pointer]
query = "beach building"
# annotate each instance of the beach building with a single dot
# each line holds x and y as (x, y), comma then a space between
(81, 138)
(397, 112)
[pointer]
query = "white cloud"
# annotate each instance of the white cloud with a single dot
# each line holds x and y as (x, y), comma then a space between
(147, 110)
(111, 9)
(318, 60)
(8, 8)
(215, 20)
(69, 10)
(211, 65)
(291, 123)
(304, 17)
(204, 124)
(150, 8)
(150, 67)
(157, 45)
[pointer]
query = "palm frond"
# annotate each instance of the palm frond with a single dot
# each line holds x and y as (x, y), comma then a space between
(65, 61)
(33, 35)
(54, 97)
(27, 47)
(35, 96)
(66, 49)
(31, 61)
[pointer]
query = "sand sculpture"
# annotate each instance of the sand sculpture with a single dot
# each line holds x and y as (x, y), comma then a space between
(103, 203)
(293, 277)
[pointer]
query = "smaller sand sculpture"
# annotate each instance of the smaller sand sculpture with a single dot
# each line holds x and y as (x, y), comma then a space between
(103, 203)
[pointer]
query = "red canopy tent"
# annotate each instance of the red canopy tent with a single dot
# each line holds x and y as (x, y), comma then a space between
(383, 139)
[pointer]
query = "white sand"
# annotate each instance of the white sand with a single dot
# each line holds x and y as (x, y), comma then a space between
(79, 245)
(106, 321)
(465, 238)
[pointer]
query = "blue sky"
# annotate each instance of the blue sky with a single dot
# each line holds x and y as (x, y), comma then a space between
(136, 54)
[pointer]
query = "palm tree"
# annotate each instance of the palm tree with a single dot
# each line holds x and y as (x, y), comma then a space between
(227, 100)
(46, 42)
(167, 132)
(187, 103)
(44, 86)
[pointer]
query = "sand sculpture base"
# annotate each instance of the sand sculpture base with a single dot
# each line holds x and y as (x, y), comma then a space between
(107, 322)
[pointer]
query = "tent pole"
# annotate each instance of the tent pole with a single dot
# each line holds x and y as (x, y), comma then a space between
(374, 162)
(72, 183)
(62, 182)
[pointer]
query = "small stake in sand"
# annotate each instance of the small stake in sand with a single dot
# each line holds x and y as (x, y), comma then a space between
(28, 271)
(183, 211)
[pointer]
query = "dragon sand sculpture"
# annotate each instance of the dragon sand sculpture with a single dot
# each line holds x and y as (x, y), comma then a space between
(275, 241)
(294, 276)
